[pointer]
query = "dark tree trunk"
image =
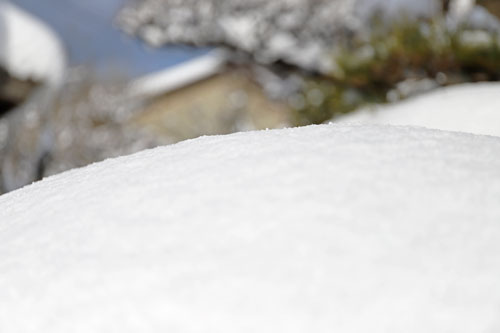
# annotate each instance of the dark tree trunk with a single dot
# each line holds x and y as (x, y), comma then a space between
(445, 6)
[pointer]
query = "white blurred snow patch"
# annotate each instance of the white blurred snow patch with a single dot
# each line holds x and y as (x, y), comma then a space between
(460, 9)
(179, 76)
(328, 228)
(477, 38)
(241, 30)
(30, 49)
(473, 108)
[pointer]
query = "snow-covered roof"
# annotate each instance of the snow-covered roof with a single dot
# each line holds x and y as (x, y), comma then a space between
(328, 228)
(29, 48)
(178, 76)
(473, 108)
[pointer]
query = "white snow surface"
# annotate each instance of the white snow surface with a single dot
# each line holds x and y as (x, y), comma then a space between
(472, 108)
(330, 228)
(29, 49)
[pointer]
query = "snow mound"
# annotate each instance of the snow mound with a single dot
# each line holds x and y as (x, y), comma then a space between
(472, 108)
(29, 48)
(327, 228)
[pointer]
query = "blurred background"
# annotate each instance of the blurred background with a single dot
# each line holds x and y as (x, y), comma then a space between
(81, 81)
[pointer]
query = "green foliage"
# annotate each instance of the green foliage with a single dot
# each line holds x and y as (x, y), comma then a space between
(369, 71)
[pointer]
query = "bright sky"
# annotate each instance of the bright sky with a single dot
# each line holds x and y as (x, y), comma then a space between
(87, 30)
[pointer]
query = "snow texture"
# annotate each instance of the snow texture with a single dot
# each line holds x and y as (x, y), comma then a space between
(29, 48)
(329, 228)
(473, 108)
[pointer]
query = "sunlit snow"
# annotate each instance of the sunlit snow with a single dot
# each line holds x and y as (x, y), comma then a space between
(328, 228)
(473, 108)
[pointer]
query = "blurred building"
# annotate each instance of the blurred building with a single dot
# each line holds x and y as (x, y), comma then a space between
(295, 38)
(206, 95)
